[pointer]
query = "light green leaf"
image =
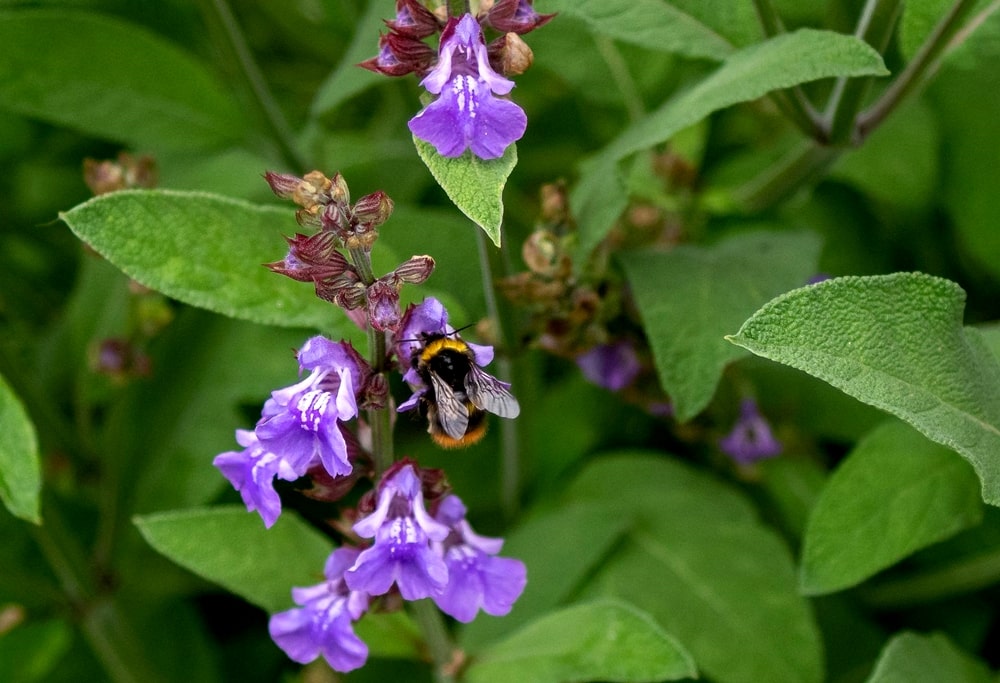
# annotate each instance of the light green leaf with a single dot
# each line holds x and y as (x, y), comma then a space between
(697, 559)
(897, 343)
(20, 471)
(689, 297)
(111, 79)
(651, 24)
(348, 79)
(917, 22)
(605, 640)
(780, 62)
(916, 658)
(205, 250)
(895, 493)
(231, 547)
(473, 184)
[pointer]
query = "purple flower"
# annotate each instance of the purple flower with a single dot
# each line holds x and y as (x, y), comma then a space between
(301, 423)
(401, 554)
(322, 625)
(751, 438)
(612, 366)
(466, 113)
(476, 578)
(252, 472)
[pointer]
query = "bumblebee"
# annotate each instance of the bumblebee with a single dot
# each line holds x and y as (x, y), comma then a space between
(458, 392)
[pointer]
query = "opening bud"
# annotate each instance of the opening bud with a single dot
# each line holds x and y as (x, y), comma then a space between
(414, 270)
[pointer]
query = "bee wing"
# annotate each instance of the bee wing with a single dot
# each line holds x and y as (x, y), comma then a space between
(451, 411)
(490, 394)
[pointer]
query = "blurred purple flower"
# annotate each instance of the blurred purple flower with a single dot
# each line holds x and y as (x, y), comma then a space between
(466, 114)
(322, 623)
(476, 578)
(612, 366)
(301, 423)
(402, 530)
(751, 438)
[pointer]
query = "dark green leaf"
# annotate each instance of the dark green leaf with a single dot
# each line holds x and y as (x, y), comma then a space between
(915, 658)
(780, 62)
(652, 24)
(583, 532)
(231, 547)
(698, 560)
(604, 640)
(111, 79)
(897, 492)
(473, 184)
(896, 342)
(690, 297)
(205, 250)
(20, 470)
(29, 651)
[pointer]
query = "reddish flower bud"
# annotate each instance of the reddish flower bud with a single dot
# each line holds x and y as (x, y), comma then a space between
(414, 270)
(413, 19)
(383, 305)
(376, 392)
(510, 55)
(311, 258)
(372, 210)
(517, 16)
(125, 172)
(283, 185)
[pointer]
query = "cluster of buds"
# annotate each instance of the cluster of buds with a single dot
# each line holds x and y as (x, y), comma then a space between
(326, 204)
(125, 172)
(403, 51)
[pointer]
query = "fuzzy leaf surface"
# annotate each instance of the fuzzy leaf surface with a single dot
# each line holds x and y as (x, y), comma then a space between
(897, 343)
(915, 658)
(651, 24)
(895, 493)
(20, 469)
(204, 250)
(111, 79)
(231, 547)
(605, 640)
(474, 185)
(752, 72)
(691, 296)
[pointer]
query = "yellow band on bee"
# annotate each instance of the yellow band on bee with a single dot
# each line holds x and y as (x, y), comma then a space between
(436, 346)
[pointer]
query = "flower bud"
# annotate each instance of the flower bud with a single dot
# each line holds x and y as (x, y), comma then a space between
(376, 391)
(414, 20)
(314, 189)
(372, 210)
(383, 305)
(414, 270)
(517, 16)
(125, 172)
(510, 55)
(283, 185)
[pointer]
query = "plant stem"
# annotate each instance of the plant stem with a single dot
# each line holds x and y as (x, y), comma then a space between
(438, 640)
(916, 73)
(793, 103)
(510, 466)
(875, 26)
(799, 167)
(622, 77)
(263, 97)
(379, 419)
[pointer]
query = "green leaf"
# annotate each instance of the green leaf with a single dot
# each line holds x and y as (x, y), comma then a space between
(780, 62)
(605, 640)
(584, 532)
(111, 79)
(231, 547)
(917, 22)
(348, 79)
(205, 250)
(690, 297)
(915, 658)
(651, 24)
(30, 651)
(895, 493)
(20, 471)
(473, 184)
(698, 560)
(896, 342)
